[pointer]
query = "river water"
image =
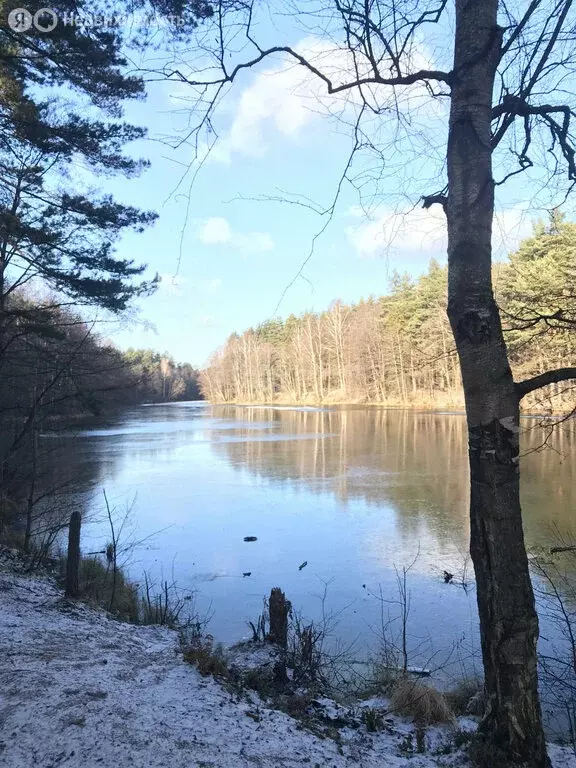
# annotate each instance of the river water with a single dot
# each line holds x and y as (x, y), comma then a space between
(358, 494)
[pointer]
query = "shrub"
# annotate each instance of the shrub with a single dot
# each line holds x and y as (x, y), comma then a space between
(306, 655)
(411, 698)
(382, 677)
(163, 607)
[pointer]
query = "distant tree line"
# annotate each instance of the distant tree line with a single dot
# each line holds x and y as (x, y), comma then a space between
(159, 378)
(398, 349)
(55, 370)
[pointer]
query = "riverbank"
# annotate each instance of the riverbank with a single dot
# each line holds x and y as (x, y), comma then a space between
(424, 404)
(82, 689)
(427, 406)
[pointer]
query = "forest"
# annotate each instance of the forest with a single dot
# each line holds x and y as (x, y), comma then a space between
(397, 349)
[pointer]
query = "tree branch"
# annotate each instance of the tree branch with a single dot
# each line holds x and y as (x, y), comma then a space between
(549, 377)
(440, 198)
(514, 105)
(409, 79)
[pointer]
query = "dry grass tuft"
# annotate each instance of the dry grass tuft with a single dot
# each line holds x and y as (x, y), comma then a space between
(97, 587)
(466, 692)
(296, 705)
(206, 657)
(372, 719)
(411, 698)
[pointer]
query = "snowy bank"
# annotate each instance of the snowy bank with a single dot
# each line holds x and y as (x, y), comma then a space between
(81, 689)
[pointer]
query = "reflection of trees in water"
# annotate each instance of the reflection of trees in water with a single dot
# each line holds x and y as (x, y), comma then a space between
(71, 460)
(95, 456)
(55, 481)
(548, 482)
(414, 461)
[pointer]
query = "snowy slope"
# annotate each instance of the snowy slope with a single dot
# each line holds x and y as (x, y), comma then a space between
(80, 689)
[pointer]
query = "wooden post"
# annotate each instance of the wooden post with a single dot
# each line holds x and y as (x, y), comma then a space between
(73, 560)
(278, 608)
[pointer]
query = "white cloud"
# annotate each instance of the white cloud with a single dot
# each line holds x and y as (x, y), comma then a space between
(217, 231)
(288, 97)
(424, 231)
(276, 99)
(419, 230)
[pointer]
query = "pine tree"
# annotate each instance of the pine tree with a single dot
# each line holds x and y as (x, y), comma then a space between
(61, 98)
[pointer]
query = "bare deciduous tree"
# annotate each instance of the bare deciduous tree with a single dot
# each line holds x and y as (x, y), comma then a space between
(509, 89)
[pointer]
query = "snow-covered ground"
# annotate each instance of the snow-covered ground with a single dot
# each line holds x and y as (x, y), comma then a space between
(78, 688)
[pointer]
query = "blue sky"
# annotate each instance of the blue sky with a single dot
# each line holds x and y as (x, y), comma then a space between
(225, 262)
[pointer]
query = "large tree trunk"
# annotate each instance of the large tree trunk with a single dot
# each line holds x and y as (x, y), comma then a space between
(512, 726)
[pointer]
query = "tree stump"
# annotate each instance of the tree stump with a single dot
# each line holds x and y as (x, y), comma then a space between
(73, 559)
(278, 608)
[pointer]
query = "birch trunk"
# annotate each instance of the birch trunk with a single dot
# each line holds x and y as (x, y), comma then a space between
(512, 726)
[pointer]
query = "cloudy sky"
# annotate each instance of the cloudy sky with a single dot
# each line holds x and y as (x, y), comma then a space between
(229, 260)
